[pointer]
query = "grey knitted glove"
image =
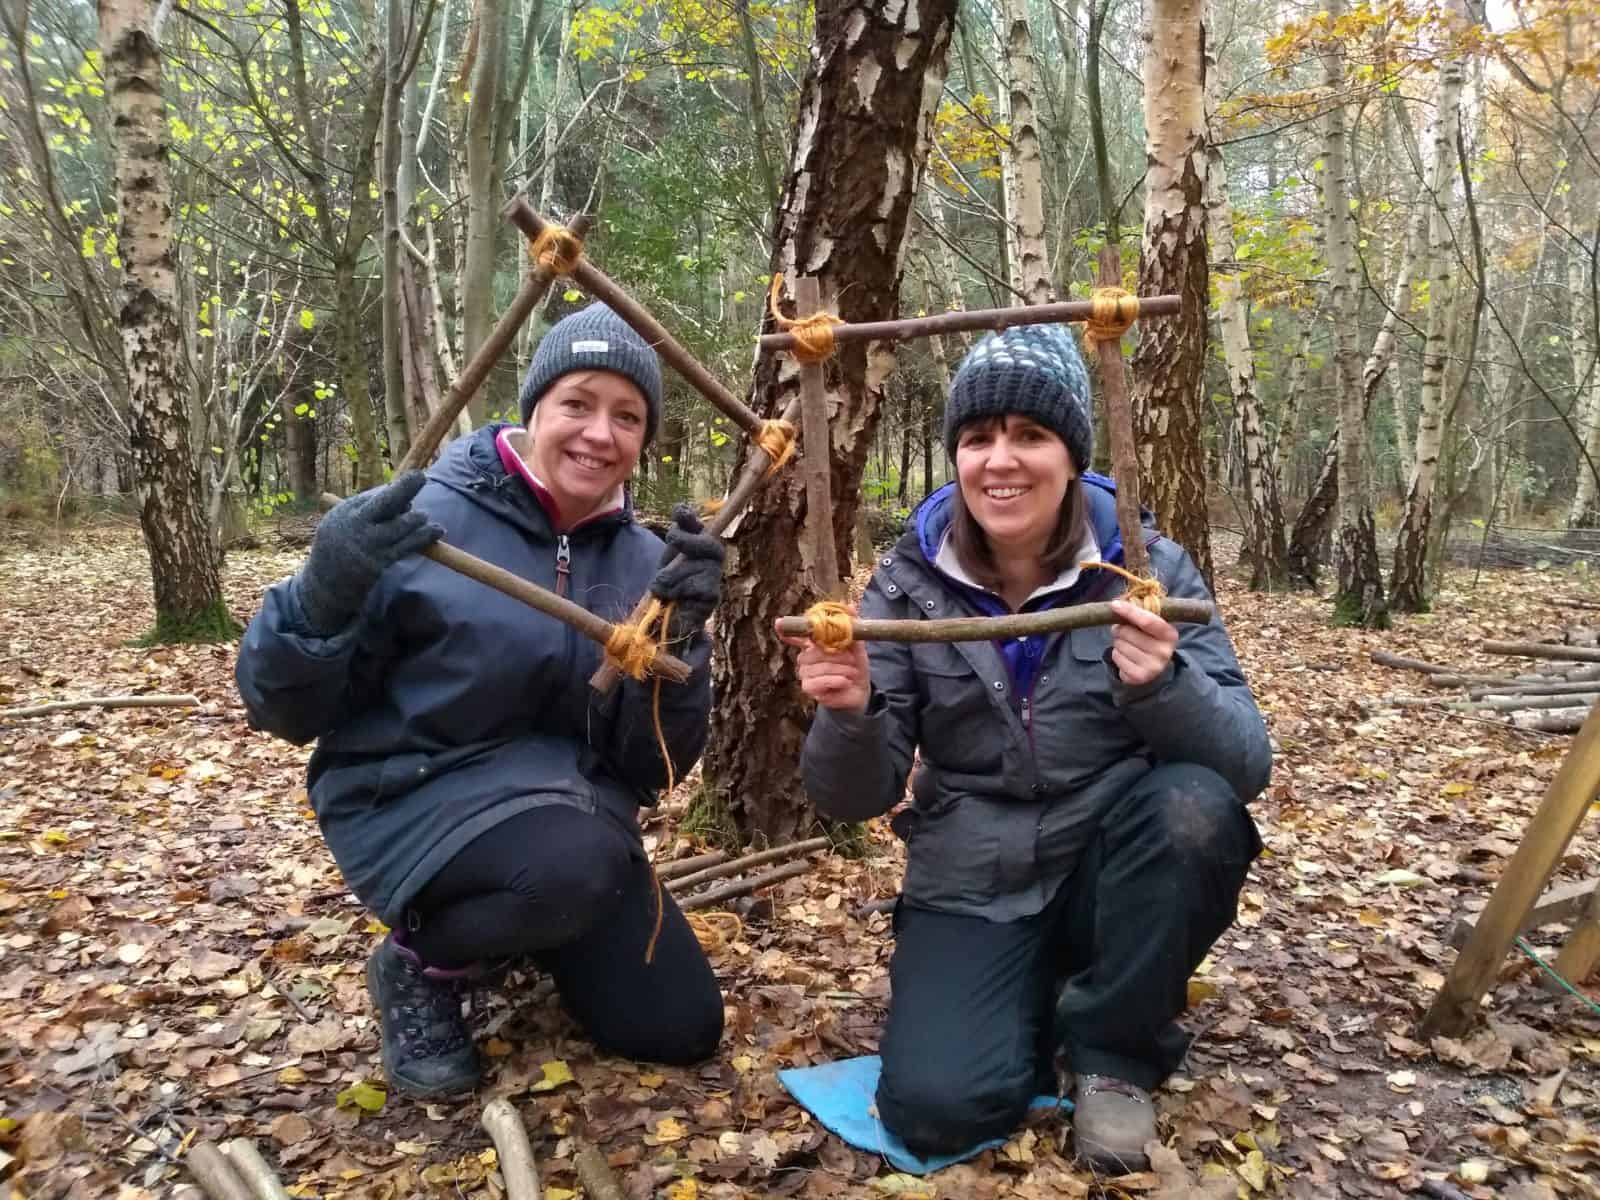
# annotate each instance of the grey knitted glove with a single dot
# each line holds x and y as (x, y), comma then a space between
(355, 542)
(693, 584)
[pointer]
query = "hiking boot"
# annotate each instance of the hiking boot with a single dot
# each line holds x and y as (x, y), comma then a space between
(1111, 1123)
(427, 1049)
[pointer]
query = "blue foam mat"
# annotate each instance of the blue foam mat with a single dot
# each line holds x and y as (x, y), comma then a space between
(843, 1097)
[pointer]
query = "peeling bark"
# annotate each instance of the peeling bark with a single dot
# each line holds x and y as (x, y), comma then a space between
(183, 561)
(1029, 260)
(851, 183)
(1169, 365)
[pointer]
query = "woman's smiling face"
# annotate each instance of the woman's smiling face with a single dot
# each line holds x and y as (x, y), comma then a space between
(587, 432)
(1013, 474)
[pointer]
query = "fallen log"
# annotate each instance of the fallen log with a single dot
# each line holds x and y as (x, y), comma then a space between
(1558, 720)
(254, 1170)
(213, 1172)
(1572, 688)
(152, 701)
(1384, 659)
(1520, 703)
(1551, 650)
(739, 865)
(744, 886)
(504, 1126)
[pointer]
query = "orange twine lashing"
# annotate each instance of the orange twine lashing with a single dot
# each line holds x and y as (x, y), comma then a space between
(1114, 313)
(1146, 593)
(832, 625)
(813, 335)
(557, 249)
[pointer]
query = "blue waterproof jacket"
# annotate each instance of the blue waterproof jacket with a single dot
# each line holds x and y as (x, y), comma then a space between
(447, 707)
(1025, 742)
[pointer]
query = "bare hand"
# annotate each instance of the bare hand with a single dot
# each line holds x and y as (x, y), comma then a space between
(1142, 644)
(840, 680)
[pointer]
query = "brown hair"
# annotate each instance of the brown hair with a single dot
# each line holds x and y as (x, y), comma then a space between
(971, 544)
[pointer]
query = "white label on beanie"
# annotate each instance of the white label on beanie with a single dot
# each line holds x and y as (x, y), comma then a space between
(592, 347)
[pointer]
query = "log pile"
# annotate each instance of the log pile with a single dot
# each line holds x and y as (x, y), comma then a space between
(1553, 697)
(688, 879)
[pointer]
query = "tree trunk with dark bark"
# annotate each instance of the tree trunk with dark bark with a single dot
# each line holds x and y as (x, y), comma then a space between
(1169, 365)
(861, 139)
(183, 562)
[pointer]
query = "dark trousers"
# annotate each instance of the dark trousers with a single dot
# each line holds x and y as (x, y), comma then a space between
(980, 1010)
(573, 891)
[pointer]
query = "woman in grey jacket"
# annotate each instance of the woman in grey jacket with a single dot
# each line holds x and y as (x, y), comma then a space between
(1077, 837)
(477, 795)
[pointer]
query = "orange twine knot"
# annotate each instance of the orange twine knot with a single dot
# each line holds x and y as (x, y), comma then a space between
(1146, 593)
(632, 648)
(813, 335)
(1113, 315)
(832, 625)
(776, 439)
(557, 249)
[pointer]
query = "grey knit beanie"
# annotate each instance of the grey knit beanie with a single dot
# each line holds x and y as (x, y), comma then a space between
(595, 339)
(1033, 370)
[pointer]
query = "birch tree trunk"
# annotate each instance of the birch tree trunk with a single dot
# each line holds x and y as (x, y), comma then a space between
(1029, 260)
(1265, 543)
(183, 562)
(1585, 341)
(1408, 583)
(394, 389)
(476, 282)
(1169, 365)
(1359, 599)
(861, 139)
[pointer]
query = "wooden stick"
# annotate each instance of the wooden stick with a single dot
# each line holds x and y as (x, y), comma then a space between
(1497, 703)
(1581, 950)
(683, 866)
(534, 596)
(1554, 720)
(594, 1172)
(977, 318)
(1384, 659)
(1543, 843)
(1544, 650)
(466, 386)
(39, 710)
(985, 629)
(212, 1171)
(744, 886)
(504, 1125)
(1119, 427)
(253, 1169)
(817, 455)
(757, 470)
(738, 865)
(1578, 687)
(598, 284)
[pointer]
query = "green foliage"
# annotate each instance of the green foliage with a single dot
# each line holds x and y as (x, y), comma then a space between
(212, 624)
(709, 819)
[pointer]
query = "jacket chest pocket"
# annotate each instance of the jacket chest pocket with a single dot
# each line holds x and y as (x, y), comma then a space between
(962, 728)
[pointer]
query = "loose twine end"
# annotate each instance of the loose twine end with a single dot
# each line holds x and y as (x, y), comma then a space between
(557, 249)
(776, 440)
(1114, 313)
(832, 625)
(813, 335)
(1146, 593)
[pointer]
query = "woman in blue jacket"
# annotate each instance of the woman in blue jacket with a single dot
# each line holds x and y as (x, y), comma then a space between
(477, 795)
(1077, 837)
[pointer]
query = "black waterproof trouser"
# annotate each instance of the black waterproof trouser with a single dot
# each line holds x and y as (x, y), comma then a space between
(980, 1010)
(573, 892)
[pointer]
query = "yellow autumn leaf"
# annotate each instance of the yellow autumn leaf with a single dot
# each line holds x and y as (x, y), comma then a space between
(291, 1076)
(555, 1073)
(668, 1129)
(559, 1194)
(364, 1096)
(651, 1080)
(684, 1189)
(54, 837)
(1201, 990)
(1253, 1170)
(1456, 789)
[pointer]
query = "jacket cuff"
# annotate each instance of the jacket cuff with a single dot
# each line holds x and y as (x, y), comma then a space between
(1124, 694)
(858, 727)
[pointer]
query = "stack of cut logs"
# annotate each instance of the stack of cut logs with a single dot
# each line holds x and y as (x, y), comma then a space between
(684, 877)
(1554, 697)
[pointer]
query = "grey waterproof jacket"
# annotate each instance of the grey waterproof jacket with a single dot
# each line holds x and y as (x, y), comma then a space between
(1011, 787)
(447, 707)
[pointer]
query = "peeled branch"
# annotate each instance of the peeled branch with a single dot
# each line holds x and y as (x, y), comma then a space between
(510, 1137)
(214, 1172)
(253, 1169)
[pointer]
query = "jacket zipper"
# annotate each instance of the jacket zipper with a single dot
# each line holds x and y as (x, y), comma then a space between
(563, 564)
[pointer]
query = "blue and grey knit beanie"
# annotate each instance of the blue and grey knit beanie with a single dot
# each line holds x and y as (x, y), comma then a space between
(595, 339)
(1033, 370)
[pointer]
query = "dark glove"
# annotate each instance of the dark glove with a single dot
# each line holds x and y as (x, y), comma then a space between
(355, 542)
(692, 583)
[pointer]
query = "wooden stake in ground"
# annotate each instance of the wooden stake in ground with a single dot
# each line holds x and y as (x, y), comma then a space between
(1119, 428)
(1543, 844)
(816, 456)
(504, 1125)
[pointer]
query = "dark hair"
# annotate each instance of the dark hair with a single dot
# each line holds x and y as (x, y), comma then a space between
(971, 544)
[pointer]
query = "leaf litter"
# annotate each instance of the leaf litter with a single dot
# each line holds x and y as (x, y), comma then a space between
(179, 958)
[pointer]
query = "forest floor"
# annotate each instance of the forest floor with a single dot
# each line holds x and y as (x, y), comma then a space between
(178, 956)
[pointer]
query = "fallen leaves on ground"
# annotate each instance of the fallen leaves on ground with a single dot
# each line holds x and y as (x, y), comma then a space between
(179, 958)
